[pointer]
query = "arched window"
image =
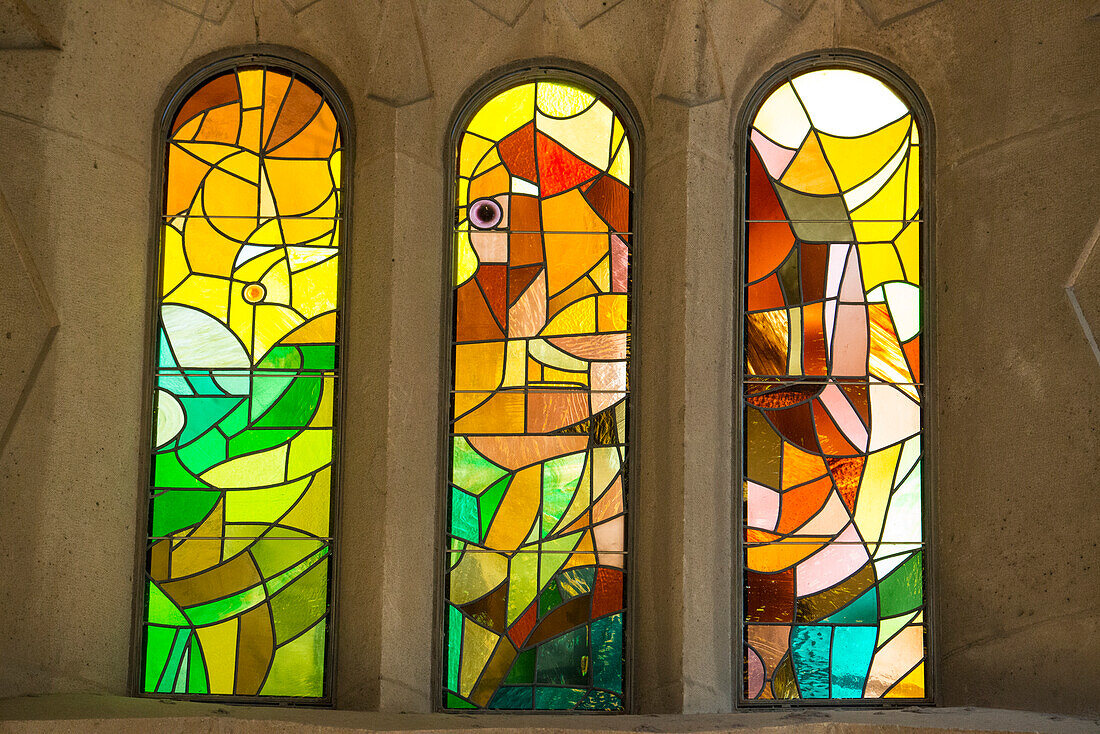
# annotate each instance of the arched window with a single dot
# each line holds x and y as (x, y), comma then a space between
(237, 590)
(834, 542)
(536, 528)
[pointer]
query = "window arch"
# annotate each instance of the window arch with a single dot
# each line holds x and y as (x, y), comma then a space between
(834, 517)
(237, 590)
(536, 530)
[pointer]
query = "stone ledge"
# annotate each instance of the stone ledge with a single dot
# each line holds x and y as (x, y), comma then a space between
(79, 713)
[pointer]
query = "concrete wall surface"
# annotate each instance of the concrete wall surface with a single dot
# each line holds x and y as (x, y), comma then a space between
(80, 713)
(1015, 395)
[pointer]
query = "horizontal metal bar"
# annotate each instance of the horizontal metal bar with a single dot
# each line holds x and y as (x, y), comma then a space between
(300, 217)
(530, 550)
(235, 537)
(505, 230)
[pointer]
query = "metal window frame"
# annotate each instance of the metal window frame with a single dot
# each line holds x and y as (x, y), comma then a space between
(193, 76)
(481, 91)
(910, 93)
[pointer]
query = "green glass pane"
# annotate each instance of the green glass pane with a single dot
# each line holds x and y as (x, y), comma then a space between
(454, 645)
(196, 679)
(454, 702)
(296, 406)
(266, 389)
(557, 699)
(559, 483)
(564, 660)
(162, 610)
(202, 412)
(607, 652)
(523, 668)
(512, 697)
(281, 357)
(490, 500)
(549, 599)
(236, 421)
(257, 440)
(169, 472)
(204, 452)
(298, 666)
(600, 701)
(318, 356)
(158, 645)
(175, 657)
(300, 604)
(470, 470)
(175, 509)
(464, 520)
(902, 590)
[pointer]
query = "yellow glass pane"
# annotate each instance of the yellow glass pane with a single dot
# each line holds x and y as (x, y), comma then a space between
(487, 162)
(466, 262)
(856, 159)
(479, 366)
(311, 513)
(204, 293)
(265, 467)
(579, 318)
(517, 510)
(471, 150)
(561, 99)
(881, 218)
(874, 494)
(908, 244)
(309, 451)
(504, 113)
(912, 185)
(864, 191)
(173, 264)
(314, 290)
(879, 263)
(219, 648)
(620, 167)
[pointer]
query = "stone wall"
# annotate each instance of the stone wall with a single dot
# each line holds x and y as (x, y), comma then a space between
(1016, 376)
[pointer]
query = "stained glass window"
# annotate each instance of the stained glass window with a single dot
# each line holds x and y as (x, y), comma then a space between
(536, 523)
(245, 378)
(834, 602)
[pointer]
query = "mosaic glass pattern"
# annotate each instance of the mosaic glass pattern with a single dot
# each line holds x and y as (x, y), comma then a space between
(536, 527)
(833, 550)
(239, 539)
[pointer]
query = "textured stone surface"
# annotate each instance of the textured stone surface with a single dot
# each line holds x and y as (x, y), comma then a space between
(29, 321)
(1084, 289)
(83, 713)
(21, 27)
(1015, 390)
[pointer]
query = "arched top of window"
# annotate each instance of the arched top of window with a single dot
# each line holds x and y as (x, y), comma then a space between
(536, 533)
(834, 526)
(244, 387)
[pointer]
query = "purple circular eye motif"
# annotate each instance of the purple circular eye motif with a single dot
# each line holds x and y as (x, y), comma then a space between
(485, 214)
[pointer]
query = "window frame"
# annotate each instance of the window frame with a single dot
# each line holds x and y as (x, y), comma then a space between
(484, 89)
(898, 81)
(187, 81)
